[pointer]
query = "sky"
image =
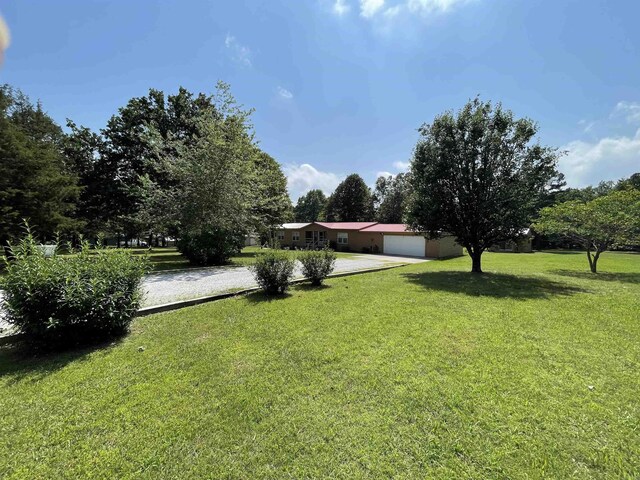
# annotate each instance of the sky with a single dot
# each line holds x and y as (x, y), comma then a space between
(341, 86)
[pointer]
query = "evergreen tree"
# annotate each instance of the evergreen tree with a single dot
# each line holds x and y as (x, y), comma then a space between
(35, 183)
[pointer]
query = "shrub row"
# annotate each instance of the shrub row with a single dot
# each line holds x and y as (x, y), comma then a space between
(274, 269)
(70, 300)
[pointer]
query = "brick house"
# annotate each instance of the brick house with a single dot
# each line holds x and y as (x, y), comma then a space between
(366, 237)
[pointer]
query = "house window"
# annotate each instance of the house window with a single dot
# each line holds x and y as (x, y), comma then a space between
(308, 236)
(343, 238)
(280, 235)
(295, 236)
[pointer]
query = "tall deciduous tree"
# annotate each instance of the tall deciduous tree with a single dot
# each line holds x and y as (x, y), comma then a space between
(311, 207)
(140, 143)
(215, 180)
(35, 183)
(390, 198)
(476, 175)
(599, 224)
(351, 201)
(632, 182)
(271, 205)
(129, 173)
(83, 150)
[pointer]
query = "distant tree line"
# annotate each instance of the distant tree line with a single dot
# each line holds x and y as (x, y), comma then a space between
(184, 165)
(354, 201)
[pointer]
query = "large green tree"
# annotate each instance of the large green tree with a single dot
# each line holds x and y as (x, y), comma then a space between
(632, 182)
(390, 198)
(351, 201)
(141, 143)
(133, 171)
(311, 207)
(271, 204)
(35, 182)
(477, 175)
(599, 224)
(83, 151)
(225, 186)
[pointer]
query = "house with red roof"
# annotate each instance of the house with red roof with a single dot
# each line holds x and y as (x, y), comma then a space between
(366, 237)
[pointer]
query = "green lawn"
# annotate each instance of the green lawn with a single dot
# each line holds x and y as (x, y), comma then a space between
(425, 371)
(170, 259)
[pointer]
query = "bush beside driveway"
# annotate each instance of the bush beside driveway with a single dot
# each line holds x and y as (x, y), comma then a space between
(166, 287)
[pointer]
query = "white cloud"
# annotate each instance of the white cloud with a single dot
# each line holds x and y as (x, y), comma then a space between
(284, 93)
(302, 178)
(383, 13)
(384, 174)
(610, 158)
(428, 6)
(368, 8)
(392, 12)
(238, 53)
(586, 125)
(630, 110)
(402, 166)
(340, 8)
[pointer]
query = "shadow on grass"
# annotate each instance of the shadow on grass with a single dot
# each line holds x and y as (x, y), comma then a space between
(633, 277)
(167, 257)
(307, 287)
(19, 361)
(564, 252)
(261, 297)
(497, 285)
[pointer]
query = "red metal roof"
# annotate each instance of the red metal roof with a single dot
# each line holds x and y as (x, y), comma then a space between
(387, 228)
(345, 225)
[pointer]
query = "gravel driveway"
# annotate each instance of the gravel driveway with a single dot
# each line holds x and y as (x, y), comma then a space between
(167, 287)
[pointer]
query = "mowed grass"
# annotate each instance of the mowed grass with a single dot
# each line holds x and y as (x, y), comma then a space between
(425, 371)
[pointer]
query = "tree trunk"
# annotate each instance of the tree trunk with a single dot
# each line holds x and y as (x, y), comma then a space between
(593, 261)
(476, 259)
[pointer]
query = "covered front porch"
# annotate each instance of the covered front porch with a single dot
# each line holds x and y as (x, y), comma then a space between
(315, 238)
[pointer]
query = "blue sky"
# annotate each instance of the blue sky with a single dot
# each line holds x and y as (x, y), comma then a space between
(340, 86)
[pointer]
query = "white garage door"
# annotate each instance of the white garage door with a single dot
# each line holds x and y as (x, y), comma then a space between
(413, 246)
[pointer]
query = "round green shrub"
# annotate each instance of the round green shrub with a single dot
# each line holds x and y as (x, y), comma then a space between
(273, 271)
(317, 264)
(210, 247)
(70, 300)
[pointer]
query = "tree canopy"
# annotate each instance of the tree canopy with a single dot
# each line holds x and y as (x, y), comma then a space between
(271, 205)
(476, 175)
(158, 157)
(599, 224)
(311, 207)
(351, 201)
(36, 184)
(390, 198)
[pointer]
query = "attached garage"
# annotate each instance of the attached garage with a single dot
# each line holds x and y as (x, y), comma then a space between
(367, 237)
(397, 239)
(409, 245)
